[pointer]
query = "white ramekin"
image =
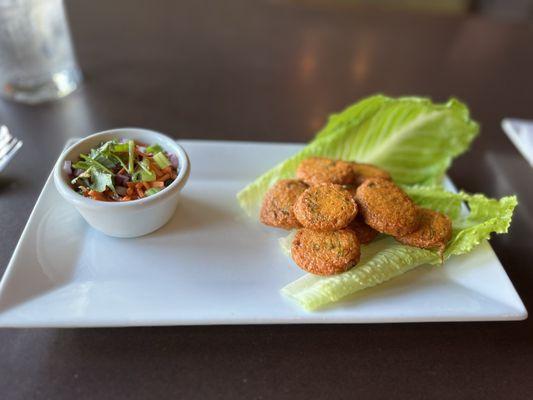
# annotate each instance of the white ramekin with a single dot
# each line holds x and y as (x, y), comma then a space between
(130, 218)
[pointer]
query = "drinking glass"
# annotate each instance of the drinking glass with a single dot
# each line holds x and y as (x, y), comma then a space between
(37, 62)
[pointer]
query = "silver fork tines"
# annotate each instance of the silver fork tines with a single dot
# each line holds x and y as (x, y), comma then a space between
(8, 146)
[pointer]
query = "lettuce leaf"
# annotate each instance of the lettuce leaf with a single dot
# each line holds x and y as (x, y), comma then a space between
(411, 137)
(415, 140)
(385, 259)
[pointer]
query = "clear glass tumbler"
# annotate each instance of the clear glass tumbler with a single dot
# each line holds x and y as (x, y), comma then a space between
(37, 62)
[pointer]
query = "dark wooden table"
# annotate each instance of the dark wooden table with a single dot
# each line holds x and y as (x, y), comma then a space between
(272, 70)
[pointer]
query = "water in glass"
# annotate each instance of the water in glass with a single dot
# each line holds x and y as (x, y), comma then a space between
(37, 62)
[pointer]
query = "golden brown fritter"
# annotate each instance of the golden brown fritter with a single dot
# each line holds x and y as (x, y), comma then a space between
(366, 171)
(386, 207)
(325, 207)
(278, 204)
(364, 233)
(350, 188)
(316, 170)
(325, 253)
(434, 231)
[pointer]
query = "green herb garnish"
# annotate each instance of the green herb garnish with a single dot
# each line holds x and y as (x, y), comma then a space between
(115, 164)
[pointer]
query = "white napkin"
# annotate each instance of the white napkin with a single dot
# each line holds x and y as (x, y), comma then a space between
(520, 131)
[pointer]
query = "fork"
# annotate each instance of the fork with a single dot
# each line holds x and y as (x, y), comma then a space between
(9, 145)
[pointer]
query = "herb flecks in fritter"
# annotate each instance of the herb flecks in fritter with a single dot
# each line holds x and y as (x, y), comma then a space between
(316, 170)
(325, 207)
(434, 231)
(277, 208)
(325, 253)
(345, 206)
(363, 172)
(364, 233)
(386, 207)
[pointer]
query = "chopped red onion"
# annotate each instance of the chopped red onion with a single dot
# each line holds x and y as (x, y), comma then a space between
(173, 160)
(67, 167)
(142, 149)
(121, 179)
(121, 190)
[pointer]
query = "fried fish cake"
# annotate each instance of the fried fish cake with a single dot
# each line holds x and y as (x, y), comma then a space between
(278, 203)
(362, 172)
(325, 207)
(386, 207)
(434, 231)
(364, 233)
(325, 253)
(316, 170)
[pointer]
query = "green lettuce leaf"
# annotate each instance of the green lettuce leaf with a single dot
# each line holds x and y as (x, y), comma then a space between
(385, 258)
(411, 137)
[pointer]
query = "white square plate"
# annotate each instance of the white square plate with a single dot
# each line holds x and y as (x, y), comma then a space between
(212, 265)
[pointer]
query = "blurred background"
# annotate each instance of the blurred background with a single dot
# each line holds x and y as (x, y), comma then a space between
(273, 70)
(237, 68)
(511, 9)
